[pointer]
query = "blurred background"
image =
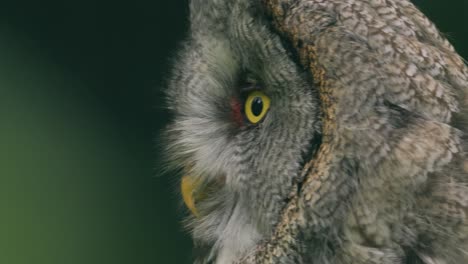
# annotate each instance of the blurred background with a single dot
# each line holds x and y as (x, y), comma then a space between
(80, 112)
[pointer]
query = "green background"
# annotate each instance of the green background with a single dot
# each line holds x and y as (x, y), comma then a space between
(81, 107)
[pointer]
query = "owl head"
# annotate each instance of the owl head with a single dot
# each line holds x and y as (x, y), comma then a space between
(246, 117)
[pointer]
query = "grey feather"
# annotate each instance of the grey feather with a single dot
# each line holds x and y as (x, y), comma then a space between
(394, 189)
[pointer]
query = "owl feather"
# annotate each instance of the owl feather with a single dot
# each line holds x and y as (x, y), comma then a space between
(389, 183)
(361, 157)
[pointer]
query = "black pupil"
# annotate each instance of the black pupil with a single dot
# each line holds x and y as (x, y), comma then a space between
(257, 106)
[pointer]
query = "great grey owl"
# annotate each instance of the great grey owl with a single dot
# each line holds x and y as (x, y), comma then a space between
(320, 131)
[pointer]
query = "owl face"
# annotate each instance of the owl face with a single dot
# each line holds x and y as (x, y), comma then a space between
(245, 117)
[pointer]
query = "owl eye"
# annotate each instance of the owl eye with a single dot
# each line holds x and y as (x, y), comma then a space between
(256, 106)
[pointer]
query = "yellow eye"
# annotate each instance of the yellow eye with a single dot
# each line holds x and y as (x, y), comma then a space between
(256, 106)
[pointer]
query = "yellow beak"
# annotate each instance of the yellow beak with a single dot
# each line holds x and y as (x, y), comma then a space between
(188, 187)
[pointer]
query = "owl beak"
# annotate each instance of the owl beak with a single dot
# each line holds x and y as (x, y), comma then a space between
(188, 186)
(196, 189)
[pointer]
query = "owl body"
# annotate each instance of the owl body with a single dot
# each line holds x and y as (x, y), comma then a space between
(250, 93)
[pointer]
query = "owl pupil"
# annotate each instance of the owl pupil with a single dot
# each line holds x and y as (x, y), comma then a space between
(257, 106)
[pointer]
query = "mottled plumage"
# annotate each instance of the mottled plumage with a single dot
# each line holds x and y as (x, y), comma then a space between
(368, 91)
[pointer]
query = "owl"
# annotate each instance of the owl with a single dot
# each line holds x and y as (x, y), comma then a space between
(320, 131)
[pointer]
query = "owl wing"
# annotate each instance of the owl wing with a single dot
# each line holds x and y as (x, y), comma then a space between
(389, 183)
